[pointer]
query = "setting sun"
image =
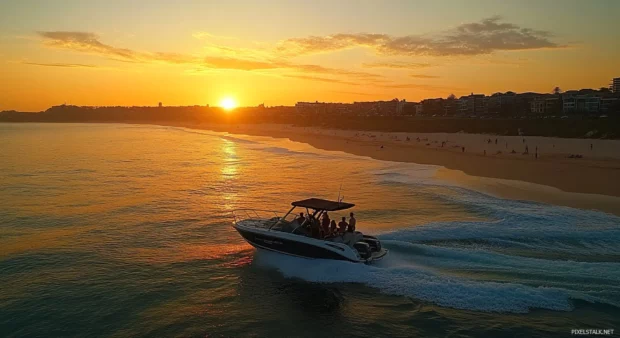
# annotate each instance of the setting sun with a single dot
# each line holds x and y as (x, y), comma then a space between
(228, 103)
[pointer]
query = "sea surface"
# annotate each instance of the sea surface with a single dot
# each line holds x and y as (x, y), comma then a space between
(111, 230)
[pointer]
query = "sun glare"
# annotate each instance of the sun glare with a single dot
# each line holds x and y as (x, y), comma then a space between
(228, 103)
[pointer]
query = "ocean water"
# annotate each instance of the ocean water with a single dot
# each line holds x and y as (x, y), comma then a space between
(110, 230)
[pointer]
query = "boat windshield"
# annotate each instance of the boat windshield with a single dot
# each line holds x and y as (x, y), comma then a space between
(291, 221)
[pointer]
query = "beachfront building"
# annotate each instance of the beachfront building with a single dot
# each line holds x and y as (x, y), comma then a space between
(610, 105)
(615, 85)
(546, 105)
(419, 109)
(572, 104)
(322, 108)
(473, 105)
(433, 107)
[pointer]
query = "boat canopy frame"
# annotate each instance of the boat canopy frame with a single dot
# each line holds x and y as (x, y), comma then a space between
(322, 205)
(318, 205)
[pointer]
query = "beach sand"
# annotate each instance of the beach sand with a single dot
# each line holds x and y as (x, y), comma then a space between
(590, 182)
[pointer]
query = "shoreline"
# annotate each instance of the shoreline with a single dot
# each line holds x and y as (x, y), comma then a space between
(585, 183)
(588, 183)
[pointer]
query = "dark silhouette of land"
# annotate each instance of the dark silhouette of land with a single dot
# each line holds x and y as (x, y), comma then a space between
(370, 119)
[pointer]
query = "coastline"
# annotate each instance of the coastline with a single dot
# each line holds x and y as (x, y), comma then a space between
(587, 183)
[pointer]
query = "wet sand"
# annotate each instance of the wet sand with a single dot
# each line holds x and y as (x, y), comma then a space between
(590, 182)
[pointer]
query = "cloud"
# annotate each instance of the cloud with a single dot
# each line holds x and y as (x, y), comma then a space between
(239, 64)
(478, 38)
(65, 65)
(336, 71)
(424, 76)
(355, 93)
(397, 65)
(420, 87)
(322, 79)
(237, 59)
(207, 35)
(87, 42)
(314, 44)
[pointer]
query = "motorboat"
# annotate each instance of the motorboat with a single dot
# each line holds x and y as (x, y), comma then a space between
(292, 235)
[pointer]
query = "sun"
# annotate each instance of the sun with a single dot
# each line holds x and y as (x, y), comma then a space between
(228, 103)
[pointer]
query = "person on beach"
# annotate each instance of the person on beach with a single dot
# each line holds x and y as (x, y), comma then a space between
(591, 146)
(463, 149)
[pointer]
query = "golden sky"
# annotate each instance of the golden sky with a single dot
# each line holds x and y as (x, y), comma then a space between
(281, 52)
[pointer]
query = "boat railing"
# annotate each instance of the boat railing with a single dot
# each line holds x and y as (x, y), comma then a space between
(255, 214)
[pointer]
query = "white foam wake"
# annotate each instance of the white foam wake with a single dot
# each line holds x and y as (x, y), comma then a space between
(423, 284)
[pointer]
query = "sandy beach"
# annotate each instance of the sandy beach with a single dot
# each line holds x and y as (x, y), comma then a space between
(579, 173)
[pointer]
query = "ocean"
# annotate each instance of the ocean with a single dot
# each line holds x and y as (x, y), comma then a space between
(114, 230)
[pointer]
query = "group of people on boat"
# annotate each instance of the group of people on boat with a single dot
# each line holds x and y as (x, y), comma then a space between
(327, 227)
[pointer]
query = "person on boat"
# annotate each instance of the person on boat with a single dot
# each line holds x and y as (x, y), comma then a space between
(301, 219)
(342, 226)
(315, 230)
(325, 223)
(352, 222)
(332, 227)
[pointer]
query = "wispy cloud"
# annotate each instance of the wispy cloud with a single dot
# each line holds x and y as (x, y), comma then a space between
(420, 87)
(64, 65)
(321, 79)
(87, 42)
(477, 38)
(397, 65)
(239, 64)
(424, 76)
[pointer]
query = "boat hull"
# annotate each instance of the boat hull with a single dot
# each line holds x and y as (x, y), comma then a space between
(274, 241)
(301, 246)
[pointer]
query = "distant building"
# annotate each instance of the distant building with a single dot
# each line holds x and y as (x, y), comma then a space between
(419, 109)
(431, 107)
(546, 104)
(580, 104)
(399, 107)
(609, 104)
(474, 104)
(615, 85)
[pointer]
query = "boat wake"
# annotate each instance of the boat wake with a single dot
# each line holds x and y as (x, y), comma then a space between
(527, 256)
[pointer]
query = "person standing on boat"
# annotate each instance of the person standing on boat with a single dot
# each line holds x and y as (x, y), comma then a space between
(301, 218)
(325, 224)
(352, 222)
(332, 228)
(342, 226)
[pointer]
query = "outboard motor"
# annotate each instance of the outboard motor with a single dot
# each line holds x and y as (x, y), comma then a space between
(375, 244)
(363, 248)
